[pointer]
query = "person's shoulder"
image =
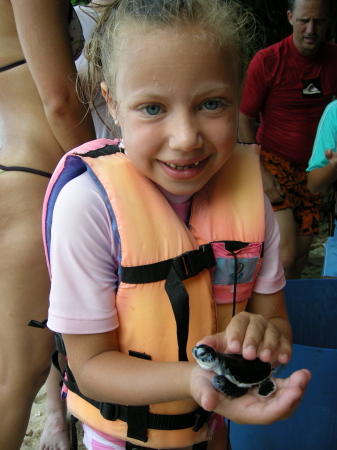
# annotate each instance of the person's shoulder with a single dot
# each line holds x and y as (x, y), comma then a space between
(274, 49)
(269, 55)
(330, 113)
(329, 49)
(330, 46)
(79, 190)
(332, 106)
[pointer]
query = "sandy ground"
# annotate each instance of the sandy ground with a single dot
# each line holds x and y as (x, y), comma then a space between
(35, 426)
(37, 419)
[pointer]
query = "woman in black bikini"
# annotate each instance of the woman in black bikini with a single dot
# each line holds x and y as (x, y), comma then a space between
(40, 118)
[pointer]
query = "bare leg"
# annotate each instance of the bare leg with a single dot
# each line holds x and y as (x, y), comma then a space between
(302, 256)
(25, 352)
(55, 430)
(286, 223)
(294, 249)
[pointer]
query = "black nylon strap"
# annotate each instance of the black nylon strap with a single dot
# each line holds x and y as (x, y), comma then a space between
(37, 324)
(179, 299)
(174, 270)
(137, 422)
(186, 265)
(200, 446)
(129, 446)
(104, 151)
(113, 411)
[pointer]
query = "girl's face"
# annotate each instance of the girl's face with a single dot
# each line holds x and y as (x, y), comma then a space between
(177, 106)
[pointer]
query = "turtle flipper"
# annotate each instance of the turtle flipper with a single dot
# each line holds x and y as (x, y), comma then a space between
(267, 387)
(222, 384)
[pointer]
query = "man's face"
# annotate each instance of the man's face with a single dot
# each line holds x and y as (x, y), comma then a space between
(310, 21)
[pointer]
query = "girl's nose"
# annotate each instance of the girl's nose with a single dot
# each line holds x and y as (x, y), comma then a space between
(185, 135)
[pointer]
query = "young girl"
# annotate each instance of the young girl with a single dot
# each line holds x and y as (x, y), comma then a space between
(150, 249)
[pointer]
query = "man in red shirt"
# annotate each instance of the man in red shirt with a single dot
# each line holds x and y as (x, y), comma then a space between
(288, 86)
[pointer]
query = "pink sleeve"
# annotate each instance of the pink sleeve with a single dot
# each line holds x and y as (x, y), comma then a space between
(83, 262)
(271, 277)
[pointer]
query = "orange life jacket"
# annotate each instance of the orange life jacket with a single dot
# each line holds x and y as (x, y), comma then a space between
(166, 300)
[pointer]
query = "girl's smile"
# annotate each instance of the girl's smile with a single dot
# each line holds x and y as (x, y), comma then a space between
(182, 170)
(178, 120)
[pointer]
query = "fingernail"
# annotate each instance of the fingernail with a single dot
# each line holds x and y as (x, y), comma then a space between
(235, 345)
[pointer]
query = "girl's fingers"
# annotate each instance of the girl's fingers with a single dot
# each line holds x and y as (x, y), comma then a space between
(285, 351)
(254, 337)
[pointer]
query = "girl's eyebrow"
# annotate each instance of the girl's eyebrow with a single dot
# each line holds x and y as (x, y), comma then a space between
(221, 88)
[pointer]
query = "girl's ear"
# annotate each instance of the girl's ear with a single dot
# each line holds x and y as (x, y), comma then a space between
(109, 100)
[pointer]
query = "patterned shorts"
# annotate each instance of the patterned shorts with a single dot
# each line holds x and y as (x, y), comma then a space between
(293, 180)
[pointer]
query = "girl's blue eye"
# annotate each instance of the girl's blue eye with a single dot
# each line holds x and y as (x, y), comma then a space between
(211, 105)
(152, 110)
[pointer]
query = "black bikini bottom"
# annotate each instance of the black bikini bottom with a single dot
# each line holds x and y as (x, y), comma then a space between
(24, 169)
(12, 65)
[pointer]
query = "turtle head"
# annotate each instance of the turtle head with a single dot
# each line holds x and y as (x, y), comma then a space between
(206, 356)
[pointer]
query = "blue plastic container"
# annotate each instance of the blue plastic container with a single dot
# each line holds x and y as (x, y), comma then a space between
(312, 308)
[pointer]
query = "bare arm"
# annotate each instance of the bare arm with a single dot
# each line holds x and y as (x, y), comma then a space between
(247, 134)
(264, 331)
(104, 373)
(247, 129)
(43, 32)
(320, 179)
(107, 375)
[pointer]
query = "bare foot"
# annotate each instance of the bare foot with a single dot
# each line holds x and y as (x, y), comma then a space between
(55, 433)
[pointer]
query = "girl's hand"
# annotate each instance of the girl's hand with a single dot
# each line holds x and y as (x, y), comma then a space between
(254, 337)
(251, 408)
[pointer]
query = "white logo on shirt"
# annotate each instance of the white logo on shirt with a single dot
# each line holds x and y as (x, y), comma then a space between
(311, 89)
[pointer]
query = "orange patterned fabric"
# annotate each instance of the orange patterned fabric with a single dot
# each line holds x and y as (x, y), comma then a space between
(293, 180)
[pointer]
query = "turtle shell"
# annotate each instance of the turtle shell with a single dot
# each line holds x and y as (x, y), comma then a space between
(244, 371)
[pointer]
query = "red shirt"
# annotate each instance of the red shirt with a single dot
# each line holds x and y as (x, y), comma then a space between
(290, 92)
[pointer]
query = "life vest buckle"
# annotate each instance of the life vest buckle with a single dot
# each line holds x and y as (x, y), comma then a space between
(110, 411)
(190, 264)
(201, 417)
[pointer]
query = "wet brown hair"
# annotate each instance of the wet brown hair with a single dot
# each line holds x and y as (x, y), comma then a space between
(223, 23)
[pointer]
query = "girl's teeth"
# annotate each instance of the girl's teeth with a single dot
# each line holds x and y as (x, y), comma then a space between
(183, 167)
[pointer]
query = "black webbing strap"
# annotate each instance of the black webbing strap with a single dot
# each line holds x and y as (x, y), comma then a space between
(200, 446)
(179, 299)
(37, 324)
(138, 418)
(73, 433)
(174, 271)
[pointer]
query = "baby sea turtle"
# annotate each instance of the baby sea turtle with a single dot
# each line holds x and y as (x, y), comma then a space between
(235, 375)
